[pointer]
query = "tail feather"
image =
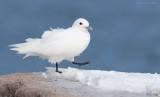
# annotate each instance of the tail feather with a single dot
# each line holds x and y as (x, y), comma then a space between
(27, 55)
(24, 48)
(18, 47)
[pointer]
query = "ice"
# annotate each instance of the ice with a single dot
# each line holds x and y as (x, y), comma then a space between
(106, 81)
(44, 75)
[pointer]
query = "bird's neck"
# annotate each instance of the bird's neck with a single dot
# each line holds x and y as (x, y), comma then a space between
(80, 29)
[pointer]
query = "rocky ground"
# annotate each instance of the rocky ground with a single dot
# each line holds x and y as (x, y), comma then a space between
(34, 85)
(29, 85)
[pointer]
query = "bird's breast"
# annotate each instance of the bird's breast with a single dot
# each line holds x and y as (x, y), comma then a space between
(78, 43)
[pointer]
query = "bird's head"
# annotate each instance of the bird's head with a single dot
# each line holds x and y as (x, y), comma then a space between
(82, 24)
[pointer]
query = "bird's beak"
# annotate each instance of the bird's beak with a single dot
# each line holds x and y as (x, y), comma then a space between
(90, 28)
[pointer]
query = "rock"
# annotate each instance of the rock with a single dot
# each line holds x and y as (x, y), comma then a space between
(29, 85)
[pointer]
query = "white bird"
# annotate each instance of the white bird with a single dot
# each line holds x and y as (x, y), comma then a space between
(59, 44)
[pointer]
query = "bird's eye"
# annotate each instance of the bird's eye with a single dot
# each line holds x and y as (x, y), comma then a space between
(80, 23)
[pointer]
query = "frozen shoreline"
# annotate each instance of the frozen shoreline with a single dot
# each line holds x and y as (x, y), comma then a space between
(79, 83)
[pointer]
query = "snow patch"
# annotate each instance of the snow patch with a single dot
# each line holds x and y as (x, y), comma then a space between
(110, 80)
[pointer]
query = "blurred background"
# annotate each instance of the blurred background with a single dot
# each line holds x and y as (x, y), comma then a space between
(126, 35)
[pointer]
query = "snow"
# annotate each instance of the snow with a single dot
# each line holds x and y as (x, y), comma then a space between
(106, 81)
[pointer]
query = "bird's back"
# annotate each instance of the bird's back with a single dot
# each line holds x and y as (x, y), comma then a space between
(66, 43)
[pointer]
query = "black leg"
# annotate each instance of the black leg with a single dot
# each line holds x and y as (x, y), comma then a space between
(57, 68)
(80, 64)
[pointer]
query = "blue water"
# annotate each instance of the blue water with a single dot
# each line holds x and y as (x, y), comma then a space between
(126, 35)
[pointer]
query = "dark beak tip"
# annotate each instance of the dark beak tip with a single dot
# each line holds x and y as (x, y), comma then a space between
(89, 28)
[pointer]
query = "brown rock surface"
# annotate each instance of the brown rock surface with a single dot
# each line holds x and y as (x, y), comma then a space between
(29, 85)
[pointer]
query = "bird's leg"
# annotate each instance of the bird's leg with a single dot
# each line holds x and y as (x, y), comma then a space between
(57, 68)
(80, 64)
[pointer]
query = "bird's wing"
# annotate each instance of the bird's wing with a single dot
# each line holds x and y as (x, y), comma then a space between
(54, 34)
(56, 40)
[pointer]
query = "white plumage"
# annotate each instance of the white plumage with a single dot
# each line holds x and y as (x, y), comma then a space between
(58, 44)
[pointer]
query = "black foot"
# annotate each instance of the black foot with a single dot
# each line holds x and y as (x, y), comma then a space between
(59, 71)
(80, 64)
